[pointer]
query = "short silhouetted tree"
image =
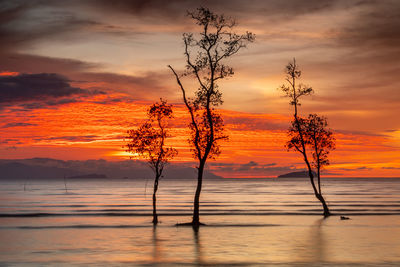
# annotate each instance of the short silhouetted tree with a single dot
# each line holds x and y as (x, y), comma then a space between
(148, 142)
(321, 141)
(308, 135)
(205, 54)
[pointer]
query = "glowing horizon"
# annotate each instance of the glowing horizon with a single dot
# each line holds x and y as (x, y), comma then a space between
(98, 131)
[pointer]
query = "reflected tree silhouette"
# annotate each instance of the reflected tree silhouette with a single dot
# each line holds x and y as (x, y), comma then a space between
(156, 246)
(311, 245)
(317, 235)
(197, 245)
(205, 54)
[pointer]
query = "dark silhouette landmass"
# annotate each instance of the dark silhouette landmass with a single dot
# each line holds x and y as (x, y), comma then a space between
(47, 168)
(89, 176)
(301, 174)
(18, 170)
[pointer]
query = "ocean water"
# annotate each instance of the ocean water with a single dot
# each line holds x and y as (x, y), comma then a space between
(249, 222)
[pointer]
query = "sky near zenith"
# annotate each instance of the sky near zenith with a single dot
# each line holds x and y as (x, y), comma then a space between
(75, 75)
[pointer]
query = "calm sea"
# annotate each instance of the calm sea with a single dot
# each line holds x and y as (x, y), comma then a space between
(249, 222)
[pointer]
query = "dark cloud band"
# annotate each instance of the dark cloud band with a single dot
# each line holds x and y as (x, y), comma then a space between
(32, 91)
(26, 87)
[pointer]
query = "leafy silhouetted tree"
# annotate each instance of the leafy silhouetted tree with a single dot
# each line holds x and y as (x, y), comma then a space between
(148, 142)
(204, 55)
(321, 141)
(318, 138)
(308, 135)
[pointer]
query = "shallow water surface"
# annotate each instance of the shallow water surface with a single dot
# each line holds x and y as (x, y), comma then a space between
(249, 222)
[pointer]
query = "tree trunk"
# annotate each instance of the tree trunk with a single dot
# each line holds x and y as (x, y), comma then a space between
(155, 217)
(196, 203)
(327, 213)
(317, 194)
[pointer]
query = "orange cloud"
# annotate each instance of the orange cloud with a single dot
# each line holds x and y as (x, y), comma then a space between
(9, 73)
(96, 128)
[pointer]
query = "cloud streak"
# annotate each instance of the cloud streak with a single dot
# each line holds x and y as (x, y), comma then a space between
(27, 87)
(18, 124)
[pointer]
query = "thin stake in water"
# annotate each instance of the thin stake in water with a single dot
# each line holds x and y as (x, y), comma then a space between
(65, 184)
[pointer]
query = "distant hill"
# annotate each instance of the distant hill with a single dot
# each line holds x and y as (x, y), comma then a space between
(301, 174)
(89, 176)
(47, 168)
(18, 170)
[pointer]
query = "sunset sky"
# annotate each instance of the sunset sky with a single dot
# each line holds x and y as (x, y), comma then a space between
(75, 75)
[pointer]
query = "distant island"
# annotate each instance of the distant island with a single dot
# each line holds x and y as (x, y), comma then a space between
(301, 174)
(89, 176)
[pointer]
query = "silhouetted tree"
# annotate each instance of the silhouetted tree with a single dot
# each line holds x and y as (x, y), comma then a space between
(317, 137)
(321, 141)
(308, 133)
(148, 142)
(204, 55)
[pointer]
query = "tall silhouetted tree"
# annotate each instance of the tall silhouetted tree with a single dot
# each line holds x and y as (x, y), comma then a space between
(308, 135)
(205, 54)
(148, 142)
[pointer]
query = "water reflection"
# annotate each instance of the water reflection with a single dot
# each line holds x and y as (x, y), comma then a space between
(197, 246)
(156, 246)
(317, 240)
(118, 228)
(311, 245)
